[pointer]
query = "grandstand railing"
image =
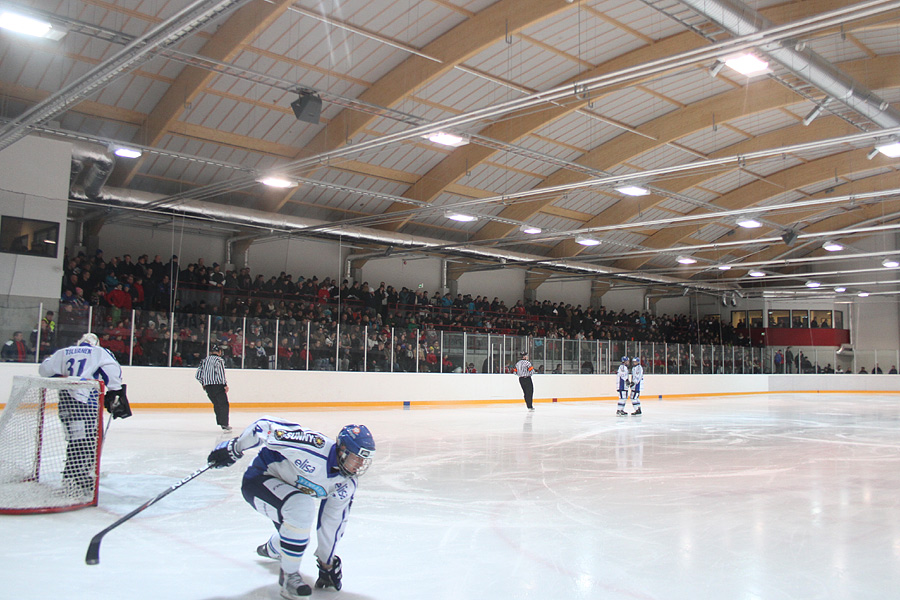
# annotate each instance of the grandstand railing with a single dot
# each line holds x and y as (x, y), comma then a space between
(160, 338)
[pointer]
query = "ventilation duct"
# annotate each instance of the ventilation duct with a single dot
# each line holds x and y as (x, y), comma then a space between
(741, 20)
(246, 217)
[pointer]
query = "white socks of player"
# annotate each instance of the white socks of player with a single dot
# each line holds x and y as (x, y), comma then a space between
(293, 587)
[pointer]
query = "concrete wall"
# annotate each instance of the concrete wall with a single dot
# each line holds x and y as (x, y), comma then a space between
(150, 387)
(33, 188)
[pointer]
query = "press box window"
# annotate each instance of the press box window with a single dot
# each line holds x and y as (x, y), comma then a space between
(29, 236)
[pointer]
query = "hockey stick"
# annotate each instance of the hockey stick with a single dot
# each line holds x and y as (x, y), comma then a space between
(93, 552)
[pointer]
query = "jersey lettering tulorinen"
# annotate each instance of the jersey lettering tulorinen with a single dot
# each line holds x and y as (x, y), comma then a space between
(84, 362)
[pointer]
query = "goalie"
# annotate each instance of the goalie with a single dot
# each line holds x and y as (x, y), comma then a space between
(294, 469)
(78, 409)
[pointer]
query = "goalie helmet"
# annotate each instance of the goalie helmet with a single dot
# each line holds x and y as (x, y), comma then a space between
(89, 339)
(356, 449)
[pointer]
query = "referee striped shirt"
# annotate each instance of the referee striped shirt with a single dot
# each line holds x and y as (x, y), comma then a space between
(524, 368)
(211, 371)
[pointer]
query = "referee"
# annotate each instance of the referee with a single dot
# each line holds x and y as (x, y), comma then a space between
(524, 370)
(211, 375)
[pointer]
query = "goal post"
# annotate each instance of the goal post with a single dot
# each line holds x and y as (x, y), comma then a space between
(50, 440)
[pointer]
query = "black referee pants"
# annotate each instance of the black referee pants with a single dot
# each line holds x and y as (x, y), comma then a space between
(528, 389)
(219, 399)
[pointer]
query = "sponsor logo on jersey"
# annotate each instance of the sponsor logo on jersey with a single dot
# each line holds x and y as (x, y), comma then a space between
(305, 466)
(341, 490)
(300, 437)
(309, 487)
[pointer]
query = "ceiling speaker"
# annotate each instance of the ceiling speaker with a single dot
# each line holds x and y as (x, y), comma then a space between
(789, 237)
(307, 108)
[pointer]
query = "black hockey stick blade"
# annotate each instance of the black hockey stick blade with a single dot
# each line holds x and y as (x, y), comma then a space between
(93, 552)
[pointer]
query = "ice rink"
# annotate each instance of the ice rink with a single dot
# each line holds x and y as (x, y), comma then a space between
(763, 497)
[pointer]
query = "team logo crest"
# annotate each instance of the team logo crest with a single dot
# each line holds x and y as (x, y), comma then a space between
(300, 437)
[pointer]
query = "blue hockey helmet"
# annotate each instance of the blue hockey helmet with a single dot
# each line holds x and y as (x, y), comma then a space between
(624, 359)
(636, 360)
(356, 449)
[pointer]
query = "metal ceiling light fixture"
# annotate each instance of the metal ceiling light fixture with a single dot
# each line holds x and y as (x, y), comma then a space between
(831, 246)
(277, 181)
(756, 273)
(747, 64)
(587, 241)
(446, 139)
(530, 229)
(633, 190)
(891, 150)
(748, 223)
(126, 152)
(461, 217)
(30, 26)
(813, 284)
(890, 263)
(686, 260)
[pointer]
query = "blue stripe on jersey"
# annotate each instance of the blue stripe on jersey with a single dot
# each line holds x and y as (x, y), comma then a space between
(263, 459)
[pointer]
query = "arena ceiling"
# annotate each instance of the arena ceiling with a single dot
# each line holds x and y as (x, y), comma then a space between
(557, 105)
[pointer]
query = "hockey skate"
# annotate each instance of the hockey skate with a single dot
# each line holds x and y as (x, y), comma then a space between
(293, 586)
(636, 413)
(621, 413)
(266, 551)
(226, 428)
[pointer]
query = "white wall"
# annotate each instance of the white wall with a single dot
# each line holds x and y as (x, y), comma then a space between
(166, 388)
(506, 284)
(405, 272)
(299, 257)
(874, 323)
(34, 189)
(118, 239)
(567, 292)
(627, 300)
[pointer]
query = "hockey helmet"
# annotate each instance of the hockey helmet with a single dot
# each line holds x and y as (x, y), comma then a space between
(356, 449)
(636, 360)
(89, 339)
(624, 359)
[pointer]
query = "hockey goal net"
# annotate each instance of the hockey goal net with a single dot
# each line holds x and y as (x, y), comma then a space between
(50, 440)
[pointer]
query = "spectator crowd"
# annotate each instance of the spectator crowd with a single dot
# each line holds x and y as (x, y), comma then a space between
(293, 320)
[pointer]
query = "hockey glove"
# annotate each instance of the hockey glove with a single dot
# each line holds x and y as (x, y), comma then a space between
(330, 576)
(116, 403)
(224, 455)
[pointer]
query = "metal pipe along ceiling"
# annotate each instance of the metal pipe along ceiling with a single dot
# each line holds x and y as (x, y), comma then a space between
(289, 224)
(741, 20)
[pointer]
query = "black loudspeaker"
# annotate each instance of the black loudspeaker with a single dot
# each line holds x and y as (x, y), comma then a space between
(307, 108)
(789, 237)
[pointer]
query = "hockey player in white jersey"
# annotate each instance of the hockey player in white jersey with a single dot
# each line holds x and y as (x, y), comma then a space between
(78, 408)
(296, 468)
(637, 379)
(623, 377)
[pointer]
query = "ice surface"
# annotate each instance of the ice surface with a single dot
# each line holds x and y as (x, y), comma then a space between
(763, 497)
